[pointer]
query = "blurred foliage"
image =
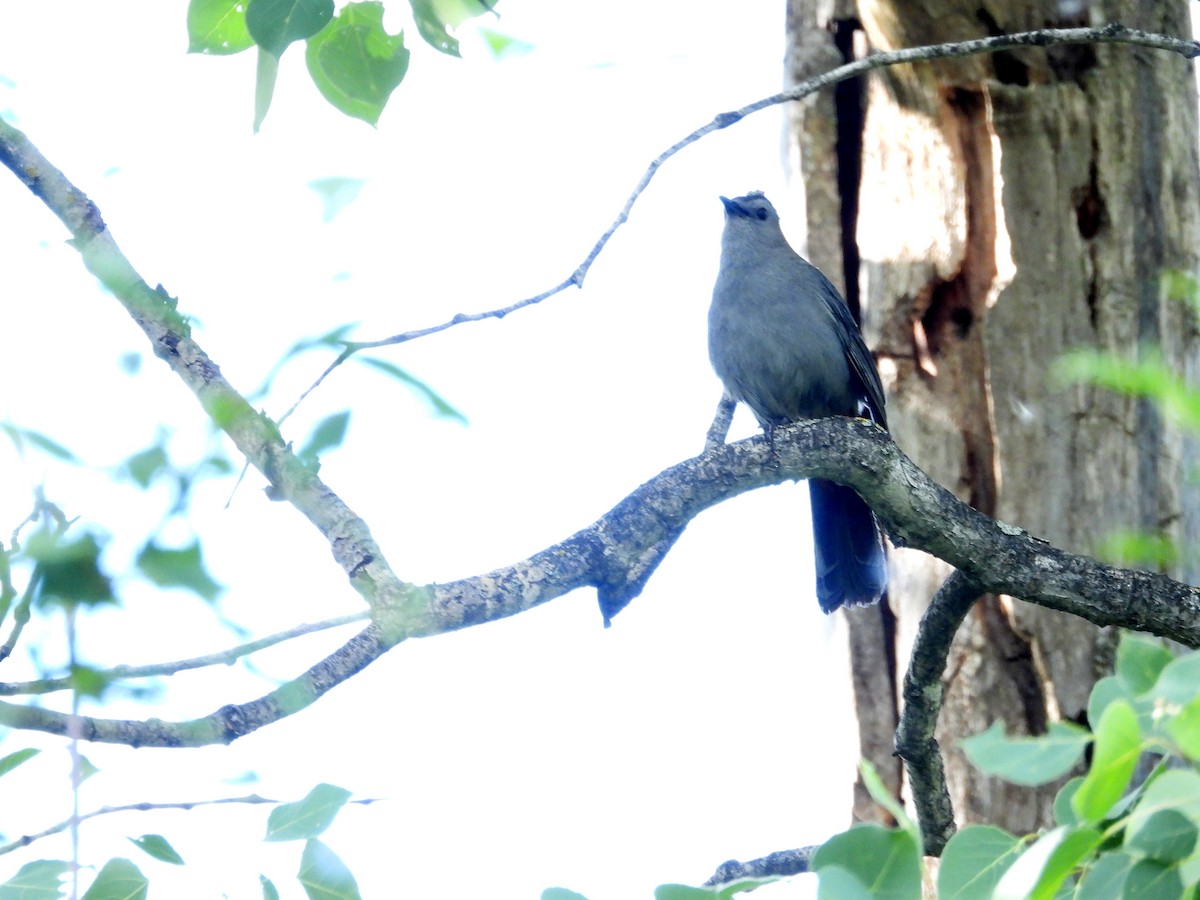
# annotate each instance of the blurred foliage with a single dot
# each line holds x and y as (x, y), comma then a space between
(351, 58)
(1144, 375)
(321, 873)
(1113, 838)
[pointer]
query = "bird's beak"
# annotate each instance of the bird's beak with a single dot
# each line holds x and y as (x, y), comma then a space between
(732, 208)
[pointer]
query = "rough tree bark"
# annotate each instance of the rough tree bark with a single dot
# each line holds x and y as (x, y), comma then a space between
(986, 215)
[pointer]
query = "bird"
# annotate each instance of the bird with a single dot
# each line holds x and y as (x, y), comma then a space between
(783, 342)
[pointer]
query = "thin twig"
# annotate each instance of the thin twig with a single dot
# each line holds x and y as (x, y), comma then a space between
(249, 800)
(719, 429)
(62, 826)
(1112, 33)
(223, 657)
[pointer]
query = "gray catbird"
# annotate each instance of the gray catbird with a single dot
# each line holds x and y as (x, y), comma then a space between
(784, 343)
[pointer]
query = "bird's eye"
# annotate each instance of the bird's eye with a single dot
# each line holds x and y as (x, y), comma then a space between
(762, 214)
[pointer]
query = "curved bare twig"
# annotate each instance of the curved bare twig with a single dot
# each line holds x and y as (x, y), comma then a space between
(1113, 33)
(220, 658)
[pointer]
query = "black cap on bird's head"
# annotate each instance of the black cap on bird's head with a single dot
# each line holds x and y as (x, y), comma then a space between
(754, 205)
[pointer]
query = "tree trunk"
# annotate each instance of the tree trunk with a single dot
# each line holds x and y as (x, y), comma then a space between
(993, 213)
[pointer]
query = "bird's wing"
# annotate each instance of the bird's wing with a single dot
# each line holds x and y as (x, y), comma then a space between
(862, 364)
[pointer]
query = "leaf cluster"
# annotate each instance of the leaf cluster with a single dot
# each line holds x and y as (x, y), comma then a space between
(1115, 836)
(321, 872)
(351, 58)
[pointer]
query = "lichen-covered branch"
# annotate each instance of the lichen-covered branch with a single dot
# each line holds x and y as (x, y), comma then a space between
(775, 865)
(394, 604)
(915, 741)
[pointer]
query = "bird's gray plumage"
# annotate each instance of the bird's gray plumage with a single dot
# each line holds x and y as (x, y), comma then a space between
(784, 343)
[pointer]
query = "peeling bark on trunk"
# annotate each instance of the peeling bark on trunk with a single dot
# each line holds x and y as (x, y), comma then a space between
(1010, 208)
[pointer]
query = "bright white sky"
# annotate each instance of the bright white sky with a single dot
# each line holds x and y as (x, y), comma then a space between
(710, 722)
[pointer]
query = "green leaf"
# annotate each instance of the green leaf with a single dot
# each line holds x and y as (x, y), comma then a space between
(181, 568)
(69, 571)
(1027, 761)
(884, 861)
(683, 892)
(974, 860)
(1177, 285)
(217, 27)
(503, 46)
(1138, 548)
(560, 893)
(1150, 880)
(10, 762)
(1167, 836)
(881, 795)
(38, 880)
(1179, 683)
(1184, 729)
(22, 436)
(728, 891)
(50, 447)
(324, 876)
(434, 18)
(1110, 690)
(159, 847)
(1148, 376)
(1140, 661)
(329, 433)
(265, 74)
(1064, 811)
(1104, 879)
(88, 681)
(837, 883)
(270, 892)
(143, 467)
(1174, 789)
(356, 64)
(440, 406)
(86, 768)
(306, 818)
(331, 339)
(1038, 873)
(336, 193)
(118, 880)
(1118, 743)
(275, 24)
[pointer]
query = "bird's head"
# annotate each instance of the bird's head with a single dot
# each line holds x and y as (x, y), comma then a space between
(751, 226)
(754, 207)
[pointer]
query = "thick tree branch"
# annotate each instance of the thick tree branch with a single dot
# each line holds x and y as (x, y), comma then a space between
(394, 604)
(776, 865)
(915, 741)
(614, 556)
(618, 553)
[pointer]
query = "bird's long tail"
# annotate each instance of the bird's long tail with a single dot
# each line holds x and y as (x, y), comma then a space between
(851, 568)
